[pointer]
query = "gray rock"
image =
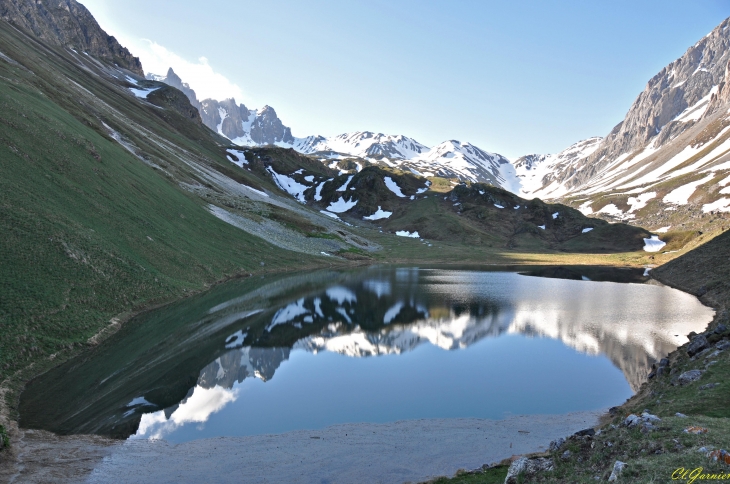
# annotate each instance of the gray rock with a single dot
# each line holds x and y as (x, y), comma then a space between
(647, 417)
(618, 468)
(651, 117)
(585, 433)
(723, 345)
(709, 386)
(664, 362)
(555, 445)
(713, 354)
(67, 23)
(527, 467)
(566, 455)
(721, 328)
(632, 420)
(697, 344)
(644, 421)
(689, 377)
(680, 415)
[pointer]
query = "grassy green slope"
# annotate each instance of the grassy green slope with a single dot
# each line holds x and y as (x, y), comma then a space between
(88, 230)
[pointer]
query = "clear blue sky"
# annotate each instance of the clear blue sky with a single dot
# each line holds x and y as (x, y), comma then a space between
(513, 77)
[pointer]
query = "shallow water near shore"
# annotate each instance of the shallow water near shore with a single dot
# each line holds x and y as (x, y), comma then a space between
(375, 345)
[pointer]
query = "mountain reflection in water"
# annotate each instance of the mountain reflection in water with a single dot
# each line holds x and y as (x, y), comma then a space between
(182, 364)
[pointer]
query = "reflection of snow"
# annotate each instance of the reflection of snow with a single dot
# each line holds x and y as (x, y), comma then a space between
(139, 401)
(197, 408)
(286, 314)
(236, 339)
(391, 313)
(380, 288)
(342, 311)
(341, 294)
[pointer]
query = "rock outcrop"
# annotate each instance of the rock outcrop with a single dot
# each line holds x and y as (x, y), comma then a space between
(174, 80)
(175, 100)
(69, 24)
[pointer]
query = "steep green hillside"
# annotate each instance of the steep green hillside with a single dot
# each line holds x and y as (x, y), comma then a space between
(89, 229)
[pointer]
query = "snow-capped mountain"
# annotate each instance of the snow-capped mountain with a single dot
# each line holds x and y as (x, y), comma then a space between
(454, 159)
(451, 159)
(363, 144)
(671, 151)
(537, 174)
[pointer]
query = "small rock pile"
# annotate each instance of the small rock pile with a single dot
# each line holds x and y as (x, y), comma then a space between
(527, 467)
(645, 421)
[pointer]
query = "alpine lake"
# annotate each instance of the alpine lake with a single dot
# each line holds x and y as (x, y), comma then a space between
(272, 354)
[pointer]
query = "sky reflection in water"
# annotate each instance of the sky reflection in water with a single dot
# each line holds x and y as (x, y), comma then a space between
(375, 345)
(495, 344)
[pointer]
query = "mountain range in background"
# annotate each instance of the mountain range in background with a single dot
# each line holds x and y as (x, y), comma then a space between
(260, 127)
(670, 144)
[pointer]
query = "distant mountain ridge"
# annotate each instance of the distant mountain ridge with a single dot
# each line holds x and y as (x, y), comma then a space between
(450, 159)
(636, 172)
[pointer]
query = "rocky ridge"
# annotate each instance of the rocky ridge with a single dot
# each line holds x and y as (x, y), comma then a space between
(667, 155)
(69, 24)
(450, 159)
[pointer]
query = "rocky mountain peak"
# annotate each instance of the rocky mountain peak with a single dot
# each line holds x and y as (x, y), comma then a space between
(267, 128)
(172, 79)
(654, 115)
(69, 24)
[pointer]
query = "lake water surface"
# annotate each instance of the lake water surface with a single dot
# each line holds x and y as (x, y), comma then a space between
(304, 351)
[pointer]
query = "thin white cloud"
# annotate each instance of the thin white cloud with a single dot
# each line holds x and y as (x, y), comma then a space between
(206, 82)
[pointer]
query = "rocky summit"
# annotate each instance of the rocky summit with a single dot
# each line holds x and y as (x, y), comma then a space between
(69, 24)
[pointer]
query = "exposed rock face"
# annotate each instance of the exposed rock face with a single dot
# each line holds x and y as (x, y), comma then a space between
(242, 125)
(684, 105)
(681, 84)
(69, 24)
(267, 128)
(174, 80)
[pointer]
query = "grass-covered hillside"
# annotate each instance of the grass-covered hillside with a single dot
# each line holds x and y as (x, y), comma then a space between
(95, 221)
